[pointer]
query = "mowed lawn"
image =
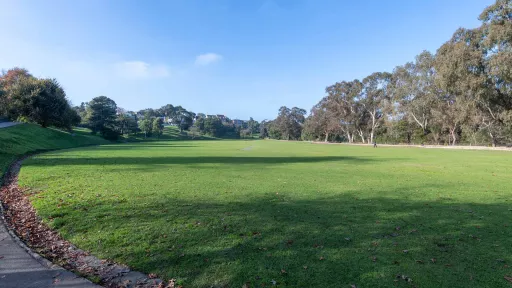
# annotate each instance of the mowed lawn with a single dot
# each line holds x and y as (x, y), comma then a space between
(284, 214)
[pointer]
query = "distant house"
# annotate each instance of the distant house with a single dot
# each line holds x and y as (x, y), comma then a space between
(211, 116)
(238, 122)
(221, 117)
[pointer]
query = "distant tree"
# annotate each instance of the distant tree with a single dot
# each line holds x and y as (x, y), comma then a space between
(414, 90)
(213, 126)
(69, 119)
(127, 123)
(12, 76)
(200, 124)
(183, 118)
(264, 129)
(373, 99)
(146, 126)
(157, 127)
(245, 133)
(342, 104)
(49, 105)
(194, 132)
(102, 115)
(166, 111)
(253, 126)
(42, 101)
(18, 87)
(82, 112)
(289, 123)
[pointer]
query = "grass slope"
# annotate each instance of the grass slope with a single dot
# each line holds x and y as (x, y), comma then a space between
(16, 141)
(224, 213)
(170, 133)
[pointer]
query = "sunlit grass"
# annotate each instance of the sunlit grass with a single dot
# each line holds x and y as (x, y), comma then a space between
(224, 213)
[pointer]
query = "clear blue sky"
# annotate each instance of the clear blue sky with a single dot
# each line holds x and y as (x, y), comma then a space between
(240, 58)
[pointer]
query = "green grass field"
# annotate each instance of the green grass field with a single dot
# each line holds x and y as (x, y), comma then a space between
(19, 140)
(225, 213)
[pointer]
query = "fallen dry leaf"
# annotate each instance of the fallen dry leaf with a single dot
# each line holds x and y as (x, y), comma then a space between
(305, 267)
(283, 271)
(508, 278)
(433, 260)
(152, 276)
(322, 258)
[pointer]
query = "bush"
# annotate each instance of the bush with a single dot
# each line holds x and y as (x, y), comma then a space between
(110, 134)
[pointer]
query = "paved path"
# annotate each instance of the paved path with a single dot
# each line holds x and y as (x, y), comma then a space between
(19, 269)
(8, 124)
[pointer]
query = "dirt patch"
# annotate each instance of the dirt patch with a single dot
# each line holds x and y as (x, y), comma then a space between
(22, 218)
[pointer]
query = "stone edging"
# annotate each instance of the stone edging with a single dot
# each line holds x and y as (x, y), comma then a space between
(111, 274)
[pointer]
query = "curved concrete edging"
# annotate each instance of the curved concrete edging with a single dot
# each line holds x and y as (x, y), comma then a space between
(47, 274)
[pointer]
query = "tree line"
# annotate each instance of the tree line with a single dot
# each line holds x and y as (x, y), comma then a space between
(26, 98)
(103, 116)
(460, 94)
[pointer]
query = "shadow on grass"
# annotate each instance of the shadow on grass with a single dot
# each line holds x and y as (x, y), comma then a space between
(178, 160)
(328, 242)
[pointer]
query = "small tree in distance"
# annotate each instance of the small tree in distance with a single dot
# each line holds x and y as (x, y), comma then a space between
(157, 127)
(146, 127)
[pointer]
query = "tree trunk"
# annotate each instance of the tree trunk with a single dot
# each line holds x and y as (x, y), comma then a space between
(350, 138)
(326, 137)
(361, 134)
(493, 139)
(453, 136)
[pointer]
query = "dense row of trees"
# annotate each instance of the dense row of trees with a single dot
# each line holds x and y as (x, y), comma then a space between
(462, 94)
(103, 116)
(24, 97)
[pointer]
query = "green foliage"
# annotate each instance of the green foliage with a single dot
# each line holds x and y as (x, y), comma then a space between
(223, 213)
(157, 127)
(127, 123)
(288, 124)
(456, 96)
(146, 126)
(102, 115)
(41, 101)
(213, 127)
